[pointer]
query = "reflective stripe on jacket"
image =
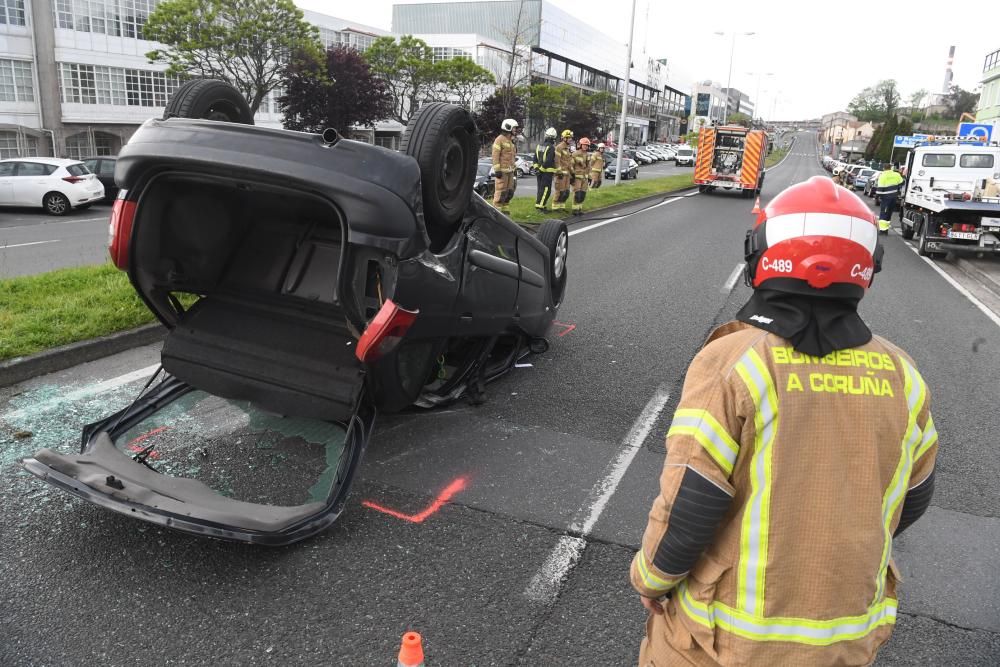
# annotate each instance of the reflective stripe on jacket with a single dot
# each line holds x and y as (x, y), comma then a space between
(503, 154)
(597, 163)
(545, 158)
(580, 164)
(889, 182)
(564, 157)
(784, 482)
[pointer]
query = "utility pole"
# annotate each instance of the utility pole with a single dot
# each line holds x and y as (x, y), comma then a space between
(729, 80)
(628, 77)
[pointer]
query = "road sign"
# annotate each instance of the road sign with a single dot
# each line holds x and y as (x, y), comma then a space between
(907, 141)
(983, 130)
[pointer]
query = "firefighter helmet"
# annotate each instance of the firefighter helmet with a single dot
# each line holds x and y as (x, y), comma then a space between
(584, 142)
(600, 144)
(550, 133)
(815, 234)
(567, 134)
(508, 125)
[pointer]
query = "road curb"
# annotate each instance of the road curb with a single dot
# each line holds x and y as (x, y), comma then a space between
(19, 369)
(974, 272)
(602, 213)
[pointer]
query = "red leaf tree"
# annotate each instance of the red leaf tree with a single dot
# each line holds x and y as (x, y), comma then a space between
(341, 93)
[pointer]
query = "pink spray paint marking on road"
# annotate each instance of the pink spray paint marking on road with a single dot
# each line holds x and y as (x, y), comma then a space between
(133, 444)
(566, 328)
(442, 498)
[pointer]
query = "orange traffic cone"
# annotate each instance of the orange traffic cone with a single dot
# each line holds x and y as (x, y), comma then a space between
(411, 650)
(756, 207)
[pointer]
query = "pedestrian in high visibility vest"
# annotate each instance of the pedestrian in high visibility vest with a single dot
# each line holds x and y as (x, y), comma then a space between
(597, 167)
(564, 158)
(504, 165)
(580, 170)
(800, 446)
(889, 183)
(545, 168)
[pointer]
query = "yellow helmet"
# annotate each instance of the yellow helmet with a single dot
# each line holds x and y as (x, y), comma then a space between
(567, 134)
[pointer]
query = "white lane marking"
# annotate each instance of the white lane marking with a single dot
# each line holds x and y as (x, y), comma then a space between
(733, 277)
(581, 230)
(21, 245)
(84, 392)
(961, 290)
(544, 585)
(60, 222)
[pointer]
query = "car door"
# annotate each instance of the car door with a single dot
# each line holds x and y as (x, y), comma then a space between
(7, 183)
(105, 170)
(32, 182)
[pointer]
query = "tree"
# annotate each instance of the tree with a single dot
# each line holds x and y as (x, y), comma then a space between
(245, 42)
(340, 93)
(960, 101)
(546, 104)
(493, 112)
(917, 99)
(607, 107)
(739, 119)
(877, 102)
(888, 96)
(515, 68)
(461, 80)
(407, 68)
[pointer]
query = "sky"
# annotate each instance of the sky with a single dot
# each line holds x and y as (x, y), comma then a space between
(818, 58)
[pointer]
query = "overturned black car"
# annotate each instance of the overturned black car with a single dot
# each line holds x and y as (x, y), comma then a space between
(307, 282)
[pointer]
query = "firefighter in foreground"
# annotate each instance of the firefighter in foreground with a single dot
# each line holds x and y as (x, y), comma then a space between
(889, 183)
(564, 163)
(597, 167)
(580, 171)
(545, 168)
(800, 446)
(504, 165)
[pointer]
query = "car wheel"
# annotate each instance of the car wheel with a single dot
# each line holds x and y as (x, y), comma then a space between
(922, 242)
(906, 231)
(56, 203)
(555, 235)
(209, 99)
(442, 139)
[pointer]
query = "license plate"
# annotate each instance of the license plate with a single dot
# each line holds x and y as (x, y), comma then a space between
(968, 236)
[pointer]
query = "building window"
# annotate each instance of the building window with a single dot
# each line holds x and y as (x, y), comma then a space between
(573, 73)
(589, 78)
(12, 12)
(15, 81)
(539, 63)
(85, 144)
(557, 69)
(95, 84)
(118, 18)
(13, 144)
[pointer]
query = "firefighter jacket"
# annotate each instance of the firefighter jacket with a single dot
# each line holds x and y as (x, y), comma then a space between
(785, 479)
(597, 164)
(564, 157)
(545, 158)
(580, 164)
(503, 154)
(889, 183)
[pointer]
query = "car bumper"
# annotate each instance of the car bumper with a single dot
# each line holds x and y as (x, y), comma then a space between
(947, 245)
(88, 198)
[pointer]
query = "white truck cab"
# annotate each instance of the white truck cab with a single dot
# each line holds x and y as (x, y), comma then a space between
(951, 200)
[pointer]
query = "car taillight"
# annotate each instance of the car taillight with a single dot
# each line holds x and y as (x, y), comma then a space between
(120, 230)
(385, 331)
(73, 179)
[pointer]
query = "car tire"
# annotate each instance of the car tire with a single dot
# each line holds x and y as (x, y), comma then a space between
(442, 138)
(56, 203)
(555, 235)
(922, 243)
(209, 99)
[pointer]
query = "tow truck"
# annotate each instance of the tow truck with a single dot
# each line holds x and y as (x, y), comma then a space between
(730, 157)
(951, 201)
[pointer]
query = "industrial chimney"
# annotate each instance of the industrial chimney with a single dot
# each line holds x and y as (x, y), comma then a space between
(946, 88)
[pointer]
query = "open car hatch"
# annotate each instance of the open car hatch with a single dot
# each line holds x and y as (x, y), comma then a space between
(224, 468)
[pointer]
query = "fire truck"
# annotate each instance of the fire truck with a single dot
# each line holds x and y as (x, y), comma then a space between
(730, 157)
(951, 201)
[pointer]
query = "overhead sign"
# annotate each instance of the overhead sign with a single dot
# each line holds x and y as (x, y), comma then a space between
(975, 130)
(907, 141)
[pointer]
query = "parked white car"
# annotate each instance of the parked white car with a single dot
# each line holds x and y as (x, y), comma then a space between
(55, 184)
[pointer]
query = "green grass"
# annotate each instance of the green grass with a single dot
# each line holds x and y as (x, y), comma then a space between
(49, 309)
(522, 209)
(775, 157)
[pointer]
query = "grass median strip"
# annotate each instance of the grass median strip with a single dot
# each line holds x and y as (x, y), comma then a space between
(65, 306)
(523, 209)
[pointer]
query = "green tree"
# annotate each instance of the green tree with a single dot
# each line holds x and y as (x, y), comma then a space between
(245, 42)
(739, 119)
(493, 112)
(917, 99)
(407, 68)
(960, 101)
(546, 104)
(607, 107)
(461, 80)
(877, 102)
(579, 115)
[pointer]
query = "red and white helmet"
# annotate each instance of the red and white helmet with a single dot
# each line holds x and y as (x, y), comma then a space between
(815, 232)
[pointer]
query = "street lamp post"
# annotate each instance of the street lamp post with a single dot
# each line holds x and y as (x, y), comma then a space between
(628, 77)
(729, 80)
(756, 95)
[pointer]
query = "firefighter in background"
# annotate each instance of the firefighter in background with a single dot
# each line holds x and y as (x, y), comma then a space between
(504, 165)
(800, 446)
(564, 159)
(545, 168)
(597, 166)
(889, 183)
(580, 170)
